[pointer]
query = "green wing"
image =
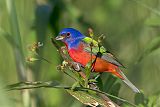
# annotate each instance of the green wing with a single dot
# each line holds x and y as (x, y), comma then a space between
(96, 50)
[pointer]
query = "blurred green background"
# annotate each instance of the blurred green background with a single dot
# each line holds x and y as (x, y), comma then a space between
(131, 27)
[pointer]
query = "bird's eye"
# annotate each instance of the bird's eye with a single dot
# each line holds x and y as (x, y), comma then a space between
(68, 34)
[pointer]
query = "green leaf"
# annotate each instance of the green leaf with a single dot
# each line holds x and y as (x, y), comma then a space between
(153, 21)
(153, 100)
(115, 89)
(95, 48)
(149, 101)
(109, 83)
(153, 45)
(75, 85)
(7, 37)
(139, 98)
(100, 83)
(91, 99)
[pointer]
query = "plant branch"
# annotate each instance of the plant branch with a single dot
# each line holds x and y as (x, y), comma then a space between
(55, 84)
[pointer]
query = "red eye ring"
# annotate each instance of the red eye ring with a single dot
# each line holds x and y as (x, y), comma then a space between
(68, 34)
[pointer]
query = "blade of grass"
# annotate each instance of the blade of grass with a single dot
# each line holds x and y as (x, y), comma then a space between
(139, 2)
(17, 49)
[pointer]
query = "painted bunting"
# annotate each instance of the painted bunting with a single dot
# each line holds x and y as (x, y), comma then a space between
(79, 49)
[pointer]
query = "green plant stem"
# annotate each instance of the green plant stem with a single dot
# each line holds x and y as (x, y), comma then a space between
(17, 49)
(147, 7)
(53, 84)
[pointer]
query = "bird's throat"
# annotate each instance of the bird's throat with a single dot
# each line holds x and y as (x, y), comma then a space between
(74, 44)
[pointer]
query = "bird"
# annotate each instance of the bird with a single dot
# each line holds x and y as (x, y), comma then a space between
(79, 49)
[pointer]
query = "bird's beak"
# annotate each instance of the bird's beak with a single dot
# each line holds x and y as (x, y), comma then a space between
(60, 37)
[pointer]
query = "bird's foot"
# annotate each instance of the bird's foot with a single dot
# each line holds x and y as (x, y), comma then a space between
(76, 66)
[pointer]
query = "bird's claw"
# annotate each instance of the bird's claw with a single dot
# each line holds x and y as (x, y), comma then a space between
(76, 66)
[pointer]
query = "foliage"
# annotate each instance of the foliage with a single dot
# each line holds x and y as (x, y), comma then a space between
(132, 34)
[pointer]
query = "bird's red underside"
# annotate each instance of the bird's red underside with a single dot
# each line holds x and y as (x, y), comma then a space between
(83, 57)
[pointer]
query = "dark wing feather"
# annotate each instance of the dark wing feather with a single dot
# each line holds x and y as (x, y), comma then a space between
(110, 58)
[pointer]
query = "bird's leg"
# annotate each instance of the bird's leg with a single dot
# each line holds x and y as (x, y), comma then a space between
(78, 72)
(76, 66)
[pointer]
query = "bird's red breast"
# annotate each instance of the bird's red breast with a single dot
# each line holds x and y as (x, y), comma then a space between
(101, 65)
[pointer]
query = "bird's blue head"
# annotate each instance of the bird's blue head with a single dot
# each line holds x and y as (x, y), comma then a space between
(70, 36)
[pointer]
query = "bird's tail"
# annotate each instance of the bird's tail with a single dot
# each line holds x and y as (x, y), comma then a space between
(125, 80)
